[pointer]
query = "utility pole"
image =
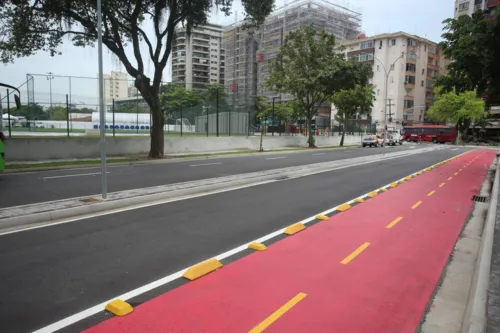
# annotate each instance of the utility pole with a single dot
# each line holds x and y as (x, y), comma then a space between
(390, 109)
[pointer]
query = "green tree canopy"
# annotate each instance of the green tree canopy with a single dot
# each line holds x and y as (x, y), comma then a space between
(31, 26)
(130, 107)
(462, 109)
(175, 96)
(35, 112)
(351, 101)
(473, 45)
(57, 113)
(309, 68)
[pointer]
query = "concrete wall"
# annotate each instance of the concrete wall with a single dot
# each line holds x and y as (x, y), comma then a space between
(40, 149)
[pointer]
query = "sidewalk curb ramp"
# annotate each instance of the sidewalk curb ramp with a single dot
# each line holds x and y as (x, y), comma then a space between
(76, 207)
(476, 311)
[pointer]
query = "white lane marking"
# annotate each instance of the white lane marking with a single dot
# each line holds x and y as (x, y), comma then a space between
(348, 151)
(275, 158)
(75, 175)
(454, 149)
(169, 278)
(318, 154)
(204, 164)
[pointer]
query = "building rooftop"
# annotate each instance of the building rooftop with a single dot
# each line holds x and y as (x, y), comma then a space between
(387, 35)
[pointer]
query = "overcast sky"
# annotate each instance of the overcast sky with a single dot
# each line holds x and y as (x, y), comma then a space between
(420, 17)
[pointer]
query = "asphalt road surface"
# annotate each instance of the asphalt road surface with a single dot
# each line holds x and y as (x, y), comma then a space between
(50, 273)
(34, 187)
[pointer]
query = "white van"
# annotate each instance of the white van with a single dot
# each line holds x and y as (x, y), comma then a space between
(396, 136)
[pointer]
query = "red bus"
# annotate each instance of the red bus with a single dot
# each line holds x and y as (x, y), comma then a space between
(429, 133)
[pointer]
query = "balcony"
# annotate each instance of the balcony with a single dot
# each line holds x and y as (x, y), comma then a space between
(409, 85)
(201, 68)
(200, 42)
(432, 66)
(201, 49)
(200, 55)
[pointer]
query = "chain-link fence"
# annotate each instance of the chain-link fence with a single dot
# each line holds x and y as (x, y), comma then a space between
(55, 105)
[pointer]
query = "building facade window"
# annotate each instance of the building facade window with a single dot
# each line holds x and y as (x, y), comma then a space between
(408, 104)
(411, 67)
(463, 6)
(366, 45)
(409, 79)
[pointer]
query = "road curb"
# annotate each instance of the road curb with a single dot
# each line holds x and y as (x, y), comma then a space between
(476, 311)
(180, 191)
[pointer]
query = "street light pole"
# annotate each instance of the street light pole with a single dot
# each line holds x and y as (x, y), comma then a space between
(387, 72)
(102, 121)
(50, 78)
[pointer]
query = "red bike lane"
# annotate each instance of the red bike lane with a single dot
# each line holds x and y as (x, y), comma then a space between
(372, 268)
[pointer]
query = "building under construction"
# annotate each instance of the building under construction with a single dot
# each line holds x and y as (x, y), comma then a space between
(248, 55)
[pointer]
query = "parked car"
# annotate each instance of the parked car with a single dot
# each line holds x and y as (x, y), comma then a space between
(372, 141)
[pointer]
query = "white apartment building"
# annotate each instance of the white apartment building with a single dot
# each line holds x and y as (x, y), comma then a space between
(198, 60)
(467, 7)
(115, 86)
(406, 65)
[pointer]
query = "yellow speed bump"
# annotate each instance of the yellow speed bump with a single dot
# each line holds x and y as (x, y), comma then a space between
(394, 185)
(344, 207)
(372, 194)
(359, 200)
(119, 307)
(383, 189)
(322, 217)
(408, 178)
(294, 228)
(257, 246)
(419, 173)
(203, 268)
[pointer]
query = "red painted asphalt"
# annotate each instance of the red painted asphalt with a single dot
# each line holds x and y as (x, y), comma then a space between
(384, 289)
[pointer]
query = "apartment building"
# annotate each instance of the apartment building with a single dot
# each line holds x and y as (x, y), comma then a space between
(199, 59)
(115, 86)
(249, 55)
(406, 64)
(467, 7)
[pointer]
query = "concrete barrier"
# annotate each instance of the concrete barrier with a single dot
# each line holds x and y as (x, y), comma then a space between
(60, 148)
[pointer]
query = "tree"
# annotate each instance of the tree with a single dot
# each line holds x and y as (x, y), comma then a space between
(57, 113)
(32, 26)
(175, 96)
(282, 111)
(130, 107)
(350, 102)
(461, 108)
(309, 68)
(31, 112)
(472, 44)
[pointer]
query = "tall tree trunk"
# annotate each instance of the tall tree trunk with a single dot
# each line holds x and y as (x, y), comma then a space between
(262, 133)
(310, 140)
(151, 95)
(157, 133)
(344, 127)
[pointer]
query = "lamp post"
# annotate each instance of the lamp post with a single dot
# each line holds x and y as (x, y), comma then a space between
(50, 78)
(102, 120)
(387, 72)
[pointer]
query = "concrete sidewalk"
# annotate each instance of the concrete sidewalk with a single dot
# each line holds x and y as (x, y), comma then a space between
(493, 319)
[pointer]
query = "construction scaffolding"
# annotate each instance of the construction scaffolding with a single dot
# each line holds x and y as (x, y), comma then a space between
(249, 53)
(241, 48)
(340, 20)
